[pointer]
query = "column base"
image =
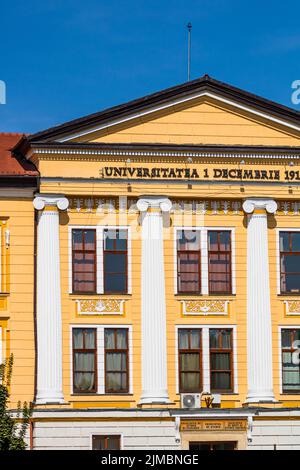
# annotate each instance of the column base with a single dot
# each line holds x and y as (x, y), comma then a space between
(261, 397)
(46, 398)
(152, 398)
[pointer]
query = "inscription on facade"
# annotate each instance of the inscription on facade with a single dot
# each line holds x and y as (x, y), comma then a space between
(213, 425)
(242, 174)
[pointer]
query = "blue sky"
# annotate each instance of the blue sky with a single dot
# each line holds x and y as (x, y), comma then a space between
(62, 59)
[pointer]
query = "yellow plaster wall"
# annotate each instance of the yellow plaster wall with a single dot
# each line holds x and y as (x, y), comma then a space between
(16, 306)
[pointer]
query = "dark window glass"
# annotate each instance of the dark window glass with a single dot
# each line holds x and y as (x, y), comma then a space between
(189, 354)
(219, 262)
(212, 446)
(221, 373)
(115, 261)
(84, 360)
(289, 262)
(188, 262)
(106, 442)
(116, 360)
(84, 260)
(290, 368)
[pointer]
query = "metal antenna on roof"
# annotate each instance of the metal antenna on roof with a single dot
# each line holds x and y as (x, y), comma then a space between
(189, 27)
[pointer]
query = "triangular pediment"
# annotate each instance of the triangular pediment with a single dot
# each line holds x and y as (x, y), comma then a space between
(202, 112)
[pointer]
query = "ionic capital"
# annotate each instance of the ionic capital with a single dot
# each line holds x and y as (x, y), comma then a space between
(57, 200)
(252, 205)
(154, 202)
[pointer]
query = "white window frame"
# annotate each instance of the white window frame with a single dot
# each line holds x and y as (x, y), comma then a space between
(100, 356)
(99, 255)
(280, 328)
(107, 433)
(278, 230)
(206, 356)
(204, 257)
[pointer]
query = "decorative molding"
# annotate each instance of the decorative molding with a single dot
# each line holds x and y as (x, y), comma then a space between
(100, 307)
(292, 307)
(205, 307)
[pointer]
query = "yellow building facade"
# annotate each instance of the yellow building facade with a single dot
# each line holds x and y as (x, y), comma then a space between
(165, 293)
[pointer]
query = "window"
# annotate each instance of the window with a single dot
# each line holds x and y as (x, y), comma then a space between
(290, 370)
(219, 261)
(220, 345)
(188, 262)
(229, 445)
(115, 261)
(116, 360)
(84, 360)
(106, 442)
(189, 342)
(84, 260)
(289, 262)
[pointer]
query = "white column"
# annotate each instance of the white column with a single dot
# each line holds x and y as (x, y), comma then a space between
(48, 301)
(154, 341)
(259, 323)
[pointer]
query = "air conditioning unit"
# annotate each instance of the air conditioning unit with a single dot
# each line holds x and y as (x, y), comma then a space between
(190, 400)
(216, 399)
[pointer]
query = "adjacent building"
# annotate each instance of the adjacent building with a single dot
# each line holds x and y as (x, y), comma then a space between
(154, 285)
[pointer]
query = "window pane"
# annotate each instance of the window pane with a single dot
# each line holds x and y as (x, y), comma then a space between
(89, 338)
(195, 339)
(116, 362)
(220, 381)
(106, 442)
(225, 339)
(122, 339)
(84, 362)
(116, 381)
(190, 381)
(290, 263)
(109, 237)
(183, 339)
(84, 381)
(115, 283)
(121, 240)
(109, 338)
(213, 338)
(286, 338)
(89, 239)
(188, 240)
(225, 240)
(220, 361)
(78, 338)
(189, 362)
(77, 239)
(292, 283)
(295, 238)
(212, 241)
(284, 241)
(115, 263)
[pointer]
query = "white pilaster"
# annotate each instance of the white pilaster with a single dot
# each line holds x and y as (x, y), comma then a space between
(48, 301)
(259, 324)
(154, 342)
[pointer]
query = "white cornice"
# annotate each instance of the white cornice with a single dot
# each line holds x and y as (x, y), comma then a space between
(177, 101)
(161, 153)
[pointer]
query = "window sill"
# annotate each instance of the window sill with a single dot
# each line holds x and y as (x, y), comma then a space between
(93, 394)
(209, 296)
(98, 296)
(294, 294)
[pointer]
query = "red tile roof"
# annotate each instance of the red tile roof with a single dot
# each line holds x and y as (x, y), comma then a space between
(10, 165)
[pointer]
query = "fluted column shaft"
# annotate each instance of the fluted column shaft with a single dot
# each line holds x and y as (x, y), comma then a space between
(154, 342)
(259, 324)
(48, 301)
